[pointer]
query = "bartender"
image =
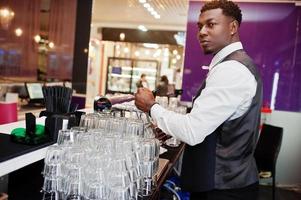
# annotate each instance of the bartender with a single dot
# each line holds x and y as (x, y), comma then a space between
(222, 128)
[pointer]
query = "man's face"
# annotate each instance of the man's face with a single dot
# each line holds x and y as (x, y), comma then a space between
(214, 30)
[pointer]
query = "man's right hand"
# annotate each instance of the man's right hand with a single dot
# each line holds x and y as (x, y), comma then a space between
(144, 99)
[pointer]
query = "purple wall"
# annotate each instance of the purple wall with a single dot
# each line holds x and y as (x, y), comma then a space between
(271, 34)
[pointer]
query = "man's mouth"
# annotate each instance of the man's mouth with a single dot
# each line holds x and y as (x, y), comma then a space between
(204, 42)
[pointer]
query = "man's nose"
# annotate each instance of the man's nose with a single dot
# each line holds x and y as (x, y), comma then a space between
(203, 31)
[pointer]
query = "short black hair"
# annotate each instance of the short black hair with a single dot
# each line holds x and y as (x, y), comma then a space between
(229, 8)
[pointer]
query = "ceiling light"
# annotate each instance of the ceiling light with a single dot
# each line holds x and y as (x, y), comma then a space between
(142, 28)
(150, 9)
(18, 32)
(151, 45)
(175, 52)
(154, 13)
(174, 61)
(122, 36)
(51, 45)
(6, 16)
(178, 57)
(146, 5)
(37, 38)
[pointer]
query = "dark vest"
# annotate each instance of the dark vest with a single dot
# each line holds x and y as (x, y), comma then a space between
(224, 160)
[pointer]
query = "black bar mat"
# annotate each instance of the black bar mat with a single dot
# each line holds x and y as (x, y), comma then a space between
(9, 149)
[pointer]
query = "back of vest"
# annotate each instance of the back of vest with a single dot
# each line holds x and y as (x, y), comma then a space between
(225, 160)
(235, 165)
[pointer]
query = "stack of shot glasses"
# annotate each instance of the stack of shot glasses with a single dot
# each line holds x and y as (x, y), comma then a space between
(106, 158)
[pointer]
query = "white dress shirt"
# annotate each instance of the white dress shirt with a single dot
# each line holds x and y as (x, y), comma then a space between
(230, 88)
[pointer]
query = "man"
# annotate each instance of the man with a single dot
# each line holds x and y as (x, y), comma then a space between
(222, 128)
(142, 82)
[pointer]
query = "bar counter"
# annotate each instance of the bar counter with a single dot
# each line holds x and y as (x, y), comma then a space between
(10, 162)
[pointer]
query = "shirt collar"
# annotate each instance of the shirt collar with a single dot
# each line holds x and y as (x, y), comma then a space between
(225, 52)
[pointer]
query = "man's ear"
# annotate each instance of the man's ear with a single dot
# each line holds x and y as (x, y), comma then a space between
(234, 27)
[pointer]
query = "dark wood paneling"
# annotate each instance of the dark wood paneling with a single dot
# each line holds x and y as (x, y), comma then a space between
(135, 35)
(82, 36)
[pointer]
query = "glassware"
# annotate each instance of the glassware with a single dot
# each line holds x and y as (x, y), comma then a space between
(108, 157)
(173, 103)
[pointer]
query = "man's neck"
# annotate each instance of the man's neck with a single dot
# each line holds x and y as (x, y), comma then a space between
(232, 41)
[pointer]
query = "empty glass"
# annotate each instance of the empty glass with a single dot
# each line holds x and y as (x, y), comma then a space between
(89, 120)
(173, 142)
(50, 184)
(163, 101)
(107, 158)
(134, 128)
(150, 149)
(66, 137)
(173, 103)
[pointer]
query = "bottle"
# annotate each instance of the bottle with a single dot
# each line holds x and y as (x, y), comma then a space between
(102, 103)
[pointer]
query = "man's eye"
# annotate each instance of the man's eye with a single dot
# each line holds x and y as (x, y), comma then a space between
(210, 25)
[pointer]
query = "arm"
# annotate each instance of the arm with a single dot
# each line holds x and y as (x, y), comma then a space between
(228, 87)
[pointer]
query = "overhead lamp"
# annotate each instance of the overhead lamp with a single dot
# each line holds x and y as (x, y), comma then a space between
(6, 16)
(153, 12)
(150, 9)
(122, 36)
(175, 52)
(18, 32)
(142, 28)
(146, 5)
(51, 45)
(37, 38)
(178, 57)
(151, 45)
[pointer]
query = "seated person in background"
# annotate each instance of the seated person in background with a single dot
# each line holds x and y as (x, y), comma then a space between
(142, 82)
(162, 87)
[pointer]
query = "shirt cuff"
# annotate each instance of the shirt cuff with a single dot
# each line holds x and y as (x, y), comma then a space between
(158, 114)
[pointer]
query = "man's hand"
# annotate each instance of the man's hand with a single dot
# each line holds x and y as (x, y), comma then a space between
(144, 99)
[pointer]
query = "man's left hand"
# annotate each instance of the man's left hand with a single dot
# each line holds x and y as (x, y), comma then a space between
(144, 99)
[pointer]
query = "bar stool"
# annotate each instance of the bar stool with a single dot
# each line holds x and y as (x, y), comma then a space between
(8, 112)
